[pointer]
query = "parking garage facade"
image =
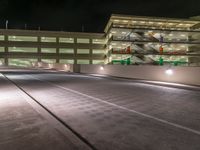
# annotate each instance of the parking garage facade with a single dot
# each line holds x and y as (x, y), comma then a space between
(24, 48)
(156, 41)
(127, 40)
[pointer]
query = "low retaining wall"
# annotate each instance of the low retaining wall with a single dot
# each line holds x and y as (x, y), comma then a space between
(184, 75)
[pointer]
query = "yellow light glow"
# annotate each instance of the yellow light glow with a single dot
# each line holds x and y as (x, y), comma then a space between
(113, 32)
(125, 21)
(183, 35)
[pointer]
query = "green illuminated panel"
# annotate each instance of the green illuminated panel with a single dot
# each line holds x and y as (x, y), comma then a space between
(82, 61)
(80, 40)
(98, 51)
(48, 50)
(2, 38)
(49, 61)
(66, 51)
(23, 38)
(66, 40)
(2, 49)
(48, 39)
(97, 61)
(66, 61)
(99, 41)
(83, 51)
(21, 62)
(22, 49)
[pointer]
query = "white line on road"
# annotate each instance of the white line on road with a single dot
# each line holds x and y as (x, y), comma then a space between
(124, 108)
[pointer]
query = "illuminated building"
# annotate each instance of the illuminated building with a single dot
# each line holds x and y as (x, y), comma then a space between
(128, 40)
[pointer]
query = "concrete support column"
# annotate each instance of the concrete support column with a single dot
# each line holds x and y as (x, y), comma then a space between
(6, 51)
(75, 51)
(90, 55)
(57, 50)
(39, 49)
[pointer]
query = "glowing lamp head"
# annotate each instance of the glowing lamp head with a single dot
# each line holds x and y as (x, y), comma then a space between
(169, 72)
(101, 68)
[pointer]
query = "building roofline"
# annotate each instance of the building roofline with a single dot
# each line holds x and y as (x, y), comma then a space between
(154, 17)
(150, 18)
(43, 32)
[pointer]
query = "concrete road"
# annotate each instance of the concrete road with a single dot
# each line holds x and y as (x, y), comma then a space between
(113, 114)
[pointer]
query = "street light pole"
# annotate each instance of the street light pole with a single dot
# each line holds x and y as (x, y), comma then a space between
(6, 24)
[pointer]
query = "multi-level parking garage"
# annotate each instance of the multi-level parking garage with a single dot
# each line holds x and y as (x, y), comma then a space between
(126, 40)
(136, 40)
(24, 48)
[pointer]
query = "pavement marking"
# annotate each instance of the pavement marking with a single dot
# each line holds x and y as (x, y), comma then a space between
(124, 108)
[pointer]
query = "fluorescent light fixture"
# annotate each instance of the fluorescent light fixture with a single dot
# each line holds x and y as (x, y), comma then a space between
(124, 32)
(170, 34)
(183, 35)
(113, 32)
(169, 72)
(125, 21)
(116, 20)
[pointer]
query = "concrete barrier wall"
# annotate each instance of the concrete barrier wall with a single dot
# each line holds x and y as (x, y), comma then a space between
(184, 75)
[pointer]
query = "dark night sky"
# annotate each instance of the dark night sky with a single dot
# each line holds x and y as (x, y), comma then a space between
(70, 15)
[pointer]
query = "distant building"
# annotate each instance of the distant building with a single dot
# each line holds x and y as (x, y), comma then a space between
(126, 40)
